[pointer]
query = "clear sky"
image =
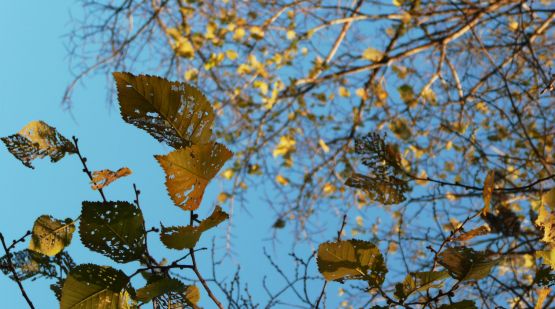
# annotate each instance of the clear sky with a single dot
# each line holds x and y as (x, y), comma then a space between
(34, 72)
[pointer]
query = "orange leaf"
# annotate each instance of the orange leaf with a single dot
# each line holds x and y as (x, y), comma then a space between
(189, 170)
(103, 178)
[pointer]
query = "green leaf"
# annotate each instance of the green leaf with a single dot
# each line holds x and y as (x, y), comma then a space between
(159, 287)
(351, 260)
(174, 113)
(93, 286)
(407, 95)
(51, 236)
(189, 170)
(115, 229)
(186, 237)
(465, 304)
(419, 281)
(466, 264)
(38, 140)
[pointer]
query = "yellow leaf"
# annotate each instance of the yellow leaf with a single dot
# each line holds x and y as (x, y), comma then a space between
(513, 25)
(328, 188)
(542, 295)
(103, 178)
(38, 140)
(423, 176)
(285, 146)
(344, 92)
(372, 54)
(549, 199)
(222, 197)
(482, 230)
(227, 174)
(191, 74)
(489, 184)
(324, 146)
(231, 54)
(282, 180)
(51, 236)
(361, 92)
(546, 220)
(189, 170)
(172, 112)
(450, 196)
(262, 86)
(291, 35)
(257, 33)
(238, 34)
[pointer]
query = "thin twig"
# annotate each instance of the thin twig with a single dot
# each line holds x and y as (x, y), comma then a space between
(14, 273)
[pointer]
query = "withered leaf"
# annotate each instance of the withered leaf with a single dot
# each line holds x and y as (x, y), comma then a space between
(103, 178)
(50, 236)
(186, 237)
(115, 229)
(189, 170)
(38, 140)
(351, 260)
(172, 112)
(489, 184)
(466, 264)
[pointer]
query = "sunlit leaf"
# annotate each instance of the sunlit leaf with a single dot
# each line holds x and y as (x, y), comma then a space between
(186, 237)
(548, 257)
(189, 170)
(115, 229)
(419, 281)
(481, 230)
(546, 220)
(103, 178)
(50, 236)
(465, 263)
(542, 295)
(548, 198)
(93, 286)
(351, 260)
(38, 140)
(489, 184)
(187, 299)
(372, 54)
(172, 112)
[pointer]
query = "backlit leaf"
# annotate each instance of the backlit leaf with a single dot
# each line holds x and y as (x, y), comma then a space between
(419, 281)
(115, 229)
(489, 184)
(50, 236)
(542, 295)
(549, 198)
(103, 178)
(38, 140)
(172, 112)
(189, 170)
(465, 263)
(187, 299)
(351, 260)
(546, 220)
(186, 237)
(93, 286)
(159, 287)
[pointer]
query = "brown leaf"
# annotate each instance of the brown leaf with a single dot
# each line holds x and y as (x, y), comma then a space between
(38, 140)
(103, 178)
(482, 230)
(489, 184)
(189, 170)
(172, 112)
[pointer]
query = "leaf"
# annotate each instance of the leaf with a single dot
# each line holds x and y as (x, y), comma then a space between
(548, 257)
(187, 299)
(174, 113)
(93, 286)
(542, 295)
(189, 170)
(51, 236)
(383, 161)
(407, 95)
(546, 220)
(115, 229)
(372, 54)
(387, 190)
(186, 237)
(351, 260)
(489, 184)
(38, 140)
(29, 264)
(419, 281)
(465, 263)
(103, 178)
(159, 287)
(285, 146)
(549, 199)
(465, 304)
(481, 230)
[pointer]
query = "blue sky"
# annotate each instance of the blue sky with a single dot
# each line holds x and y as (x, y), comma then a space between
(34, 73)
